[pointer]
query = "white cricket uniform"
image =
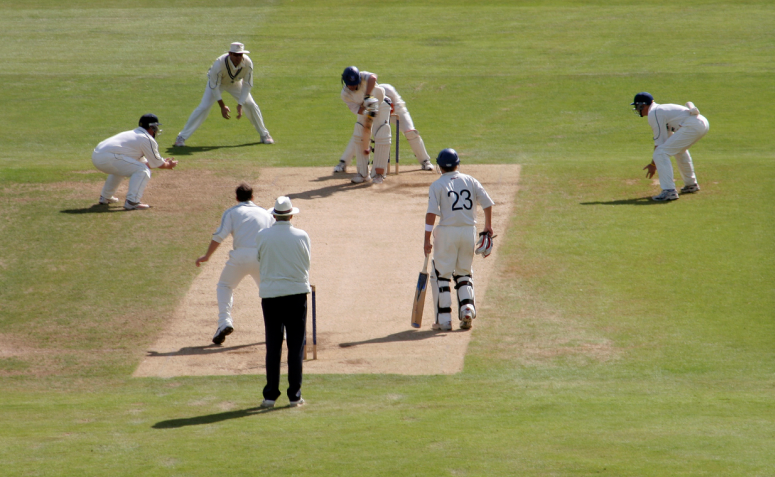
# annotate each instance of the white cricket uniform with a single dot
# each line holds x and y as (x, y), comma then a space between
(127, 154)
(453, 197)
(405, 125)
(380, 127)
(243, 221)
(675, 131)
(235, 80)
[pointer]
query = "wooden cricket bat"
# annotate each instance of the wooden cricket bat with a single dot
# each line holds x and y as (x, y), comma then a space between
(419, 296)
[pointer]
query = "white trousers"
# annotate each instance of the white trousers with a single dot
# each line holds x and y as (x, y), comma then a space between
(453, 250)
(118, 166)
(692, 130)
(250, 108)
(242, 262)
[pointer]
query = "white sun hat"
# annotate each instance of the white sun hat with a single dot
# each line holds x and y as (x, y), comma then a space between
(283, 207)
(237, 47)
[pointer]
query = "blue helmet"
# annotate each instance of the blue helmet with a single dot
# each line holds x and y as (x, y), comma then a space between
(643, 98)
(150, 121)
(351, 76)
(447, 158)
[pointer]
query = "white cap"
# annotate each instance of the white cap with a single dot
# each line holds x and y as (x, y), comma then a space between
(237, 47)
(283, 207)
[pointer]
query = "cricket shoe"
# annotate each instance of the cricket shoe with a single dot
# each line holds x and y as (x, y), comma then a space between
(267, 139)
(267, 403)
(298, 403)
(427, 166)
(180, 141)
(129, 205)
(104, 201)
(442, 326)
(378, 179)
(468, 313)
(666, 196)
(341, 167)
(358, 179)
(690, 189)
(220, 335)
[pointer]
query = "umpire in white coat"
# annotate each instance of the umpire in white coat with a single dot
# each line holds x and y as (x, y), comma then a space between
(284, 258)
(243, 221)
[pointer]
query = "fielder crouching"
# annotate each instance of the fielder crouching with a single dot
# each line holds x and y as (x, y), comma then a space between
(453, 197)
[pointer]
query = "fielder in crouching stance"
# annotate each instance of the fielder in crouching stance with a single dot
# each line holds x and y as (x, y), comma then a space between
(130, 154)
(405, 125)
(243, 221)
(232, 72)
(676, 128)
(453, 197)
(368, 101)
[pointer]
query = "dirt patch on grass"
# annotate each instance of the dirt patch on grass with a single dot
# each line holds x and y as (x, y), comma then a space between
(366, 254)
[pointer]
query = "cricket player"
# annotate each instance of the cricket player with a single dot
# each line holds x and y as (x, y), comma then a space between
(405, 125)
(676, 128)
(232, 72)
(243, 221)
(453, 198)
(367, 100)
(130, 154)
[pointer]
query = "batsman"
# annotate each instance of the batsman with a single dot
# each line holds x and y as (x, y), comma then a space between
(453, 198)
(365, 98)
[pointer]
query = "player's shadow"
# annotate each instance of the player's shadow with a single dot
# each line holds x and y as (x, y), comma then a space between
(327, 191)
(94, 209)
(191, 150)
(213, 418)
(408, 335)
(199, 350)
(636, 201)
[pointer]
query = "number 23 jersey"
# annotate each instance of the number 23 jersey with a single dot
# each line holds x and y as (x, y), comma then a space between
(453, 197)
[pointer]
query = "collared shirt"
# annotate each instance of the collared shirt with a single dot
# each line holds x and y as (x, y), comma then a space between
(244, 221)
(136, 144)
(453, 197)
(223, 72)
(284, 259)
(354, 99)
(665, 119)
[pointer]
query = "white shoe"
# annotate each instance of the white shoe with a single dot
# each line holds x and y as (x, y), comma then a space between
(221, 334)
(666, 196)
(129, 205)
(105, 201)
(180, 141)
(442, 326)
(298, 403)
(357, 179)
(378, 179)
(267, 139)
(690, 189)
(467, 315)
(267, 403)
(341, 167)
(427, 166)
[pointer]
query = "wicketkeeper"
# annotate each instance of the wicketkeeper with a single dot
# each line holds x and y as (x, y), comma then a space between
(453, 197)
(676, 128)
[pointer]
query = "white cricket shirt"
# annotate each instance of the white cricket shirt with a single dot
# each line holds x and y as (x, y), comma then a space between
(244, 221)
(136, 144)
(453, 197)
(223, 72)
(665, 119)
(284, 258)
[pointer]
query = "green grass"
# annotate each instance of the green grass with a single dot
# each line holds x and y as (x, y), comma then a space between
(620, 337)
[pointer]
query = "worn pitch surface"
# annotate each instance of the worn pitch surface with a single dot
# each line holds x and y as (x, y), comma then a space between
(366, 256)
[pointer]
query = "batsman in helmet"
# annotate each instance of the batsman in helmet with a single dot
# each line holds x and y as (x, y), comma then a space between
(453, 198)
(366, 99)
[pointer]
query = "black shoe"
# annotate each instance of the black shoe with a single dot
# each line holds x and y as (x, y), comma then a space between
(220, 335)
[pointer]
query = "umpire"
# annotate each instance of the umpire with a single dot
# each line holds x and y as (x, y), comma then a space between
(284, 258)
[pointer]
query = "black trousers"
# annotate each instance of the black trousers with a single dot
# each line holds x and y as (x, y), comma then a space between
(284, 313)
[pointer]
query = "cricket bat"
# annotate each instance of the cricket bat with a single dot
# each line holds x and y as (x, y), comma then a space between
(419, 296)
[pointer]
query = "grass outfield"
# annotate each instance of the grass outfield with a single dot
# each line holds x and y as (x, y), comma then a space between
(621, 337)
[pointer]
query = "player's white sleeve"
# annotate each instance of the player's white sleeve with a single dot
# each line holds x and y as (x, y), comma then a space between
(433, 202)
(247, 82)
(214, 78)
(151, 151)
(225, 229)
(482, 196)
(657, 125)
